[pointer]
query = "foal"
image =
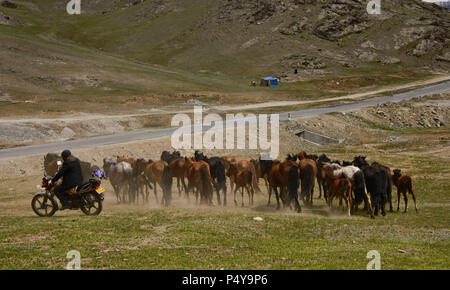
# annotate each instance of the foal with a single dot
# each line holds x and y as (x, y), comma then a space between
(243, 179)
(339, 187)
(404, 185)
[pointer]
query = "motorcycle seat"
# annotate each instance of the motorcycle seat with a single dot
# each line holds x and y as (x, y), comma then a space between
(84, 186)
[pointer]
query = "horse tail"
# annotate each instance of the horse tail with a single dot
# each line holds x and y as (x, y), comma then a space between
(167, 185)
(349, 189)
(307, 181)
(409, 186)
(293, 185)
(221, 176)
(250, 177)
(345, 186)
(206, 183)
(147, 181)
(319, 180)
(293, 182)
(220, 172)
(255, 179)
(131, 183)
(389, 186)
(359, 186)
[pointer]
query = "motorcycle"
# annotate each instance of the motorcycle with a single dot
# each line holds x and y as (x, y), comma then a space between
(88, 197)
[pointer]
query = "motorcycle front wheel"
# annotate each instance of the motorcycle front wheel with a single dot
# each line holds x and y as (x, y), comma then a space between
(91, 204)
(44, 205)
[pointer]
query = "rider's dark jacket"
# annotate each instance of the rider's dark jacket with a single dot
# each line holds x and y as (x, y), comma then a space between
(71, 173)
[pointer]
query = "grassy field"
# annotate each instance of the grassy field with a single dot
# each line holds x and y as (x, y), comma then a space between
(189, 237)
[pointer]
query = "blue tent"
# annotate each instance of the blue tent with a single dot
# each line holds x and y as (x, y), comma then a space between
(269, 82)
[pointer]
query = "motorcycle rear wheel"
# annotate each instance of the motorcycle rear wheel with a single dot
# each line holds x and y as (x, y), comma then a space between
(43, 205)
(91, 204)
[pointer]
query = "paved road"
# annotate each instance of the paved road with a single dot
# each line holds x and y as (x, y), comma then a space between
(150, 134)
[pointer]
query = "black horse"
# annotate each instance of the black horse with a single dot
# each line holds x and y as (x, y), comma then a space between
(217, 171)
(378, 183)
(168, 157)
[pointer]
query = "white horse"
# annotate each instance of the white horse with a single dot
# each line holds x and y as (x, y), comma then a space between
(356, 177)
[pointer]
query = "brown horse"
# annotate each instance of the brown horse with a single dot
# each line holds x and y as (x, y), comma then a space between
(51, 166)
(199, 178)
(241, 165)
(142, 189)
(404, 186)
(280, 177)
(243, 179)
(153, 171)
(337, 184)
(129, 160)
(142, 181)
(339, 187)
(260, 173)
(178, 170)
(308, 173)
(50, 163)
(227, 162)
(302, 155)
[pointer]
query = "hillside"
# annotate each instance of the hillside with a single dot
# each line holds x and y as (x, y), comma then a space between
(118, 48)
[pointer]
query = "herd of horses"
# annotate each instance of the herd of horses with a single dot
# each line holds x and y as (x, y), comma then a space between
(291, 180)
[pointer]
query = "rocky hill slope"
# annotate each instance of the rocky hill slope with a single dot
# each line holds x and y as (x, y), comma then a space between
(225, 39)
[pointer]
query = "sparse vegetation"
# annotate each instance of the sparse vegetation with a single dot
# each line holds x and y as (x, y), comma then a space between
(148, 60)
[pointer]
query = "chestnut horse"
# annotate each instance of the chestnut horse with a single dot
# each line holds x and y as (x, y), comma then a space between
(142, 181)
(404, 186)
(259, 173)
(158, 172)
(217, 170)
(177, 166)
(282, 176)
(243, 165)
(199, 178)
(243, 179)
(356, 177)
(308, 174)
(339, 187)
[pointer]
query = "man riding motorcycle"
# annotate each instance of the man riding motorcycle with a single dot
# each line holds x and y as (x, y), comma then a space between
(72, 177)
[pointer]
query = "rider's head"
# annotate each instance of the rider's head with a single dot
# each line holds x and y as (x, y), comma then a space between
(65, 154)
